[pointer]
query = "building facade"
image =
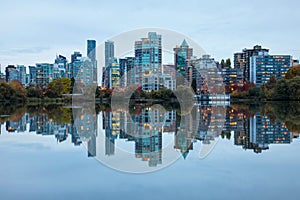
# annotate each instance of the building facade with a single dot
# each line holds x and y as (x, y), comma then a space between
(148, 56)
(242, 60)
(182, 56)
(264, 66)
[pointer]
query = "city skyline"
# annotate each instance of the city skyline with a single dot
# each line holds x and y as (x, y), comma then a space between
(64, 32)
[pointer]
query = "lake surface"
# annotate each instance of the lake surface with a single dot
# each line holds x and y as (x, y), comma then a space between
(150, 152)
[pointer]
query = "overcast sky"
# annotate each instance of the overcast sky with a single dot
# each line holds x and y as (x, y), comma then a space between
(35, 31)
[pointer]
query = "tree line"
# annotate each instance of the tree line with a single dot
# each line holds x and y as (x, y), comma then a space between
(14, 91)
(284, 89)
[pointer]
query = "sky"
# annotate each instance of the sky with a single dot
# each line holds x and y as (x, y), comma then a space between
(36, 31)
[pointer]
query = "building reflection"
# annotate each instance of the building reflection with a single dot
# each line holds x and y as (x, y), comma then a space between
(146, 126)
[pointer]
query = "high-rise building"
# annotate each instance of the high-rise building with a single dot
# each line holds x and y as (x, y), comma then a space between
(76, 56)
(83, 71)
(60, 67)
(32, 75)
(109, 58)
(91, 50)
(14, 75)
(264, 66)
(127, 72)
(242, 59)
(44, 74)
(7, 70)
(182, 56)
(22, 71)
(75, 65)
(113, 73)
(148, 56)
(207, 75)
(109, 52)
(91, 54)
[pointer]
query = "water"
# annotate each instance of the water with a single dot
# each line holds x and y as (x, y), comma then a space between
(232, 152)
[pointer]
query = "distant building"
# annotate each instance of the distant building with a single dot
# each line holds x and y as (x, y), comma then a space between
(44, 74)
(83, 71)
(14, 75)
(242, 60)
(127, 71)
(156, 81)
(7, 70)
(148, 56)
(295, 63)
(75, 65)
(60, 67)
(76, 56)
(91, 54)
(207, 75)
(264, 66)
(232, 76)
(32, 75)
(109, 52)
(91, 50)
(182, 56)
(22, 76)
(113, 74)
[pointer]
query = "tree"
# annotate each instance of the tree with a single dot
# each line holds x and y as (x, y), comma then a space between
(54, 89)
(33, 91)
(293, 72)
(222, 63)
(7, 92)
(20, 91)
(294, 88)
(228, 63)
(67, 86)
(280, 91)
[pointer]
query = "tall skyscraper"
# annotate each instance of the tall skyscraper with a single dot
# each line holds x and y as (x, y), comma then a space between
(182, 56)
(91, 50)
(32, 75)
(91, 53)
(22, 76)
(148, 56)
(109, 52)
(127, 70)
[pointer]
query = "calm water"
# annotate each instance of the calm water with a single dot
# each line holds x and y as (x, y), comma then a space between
(210, 152)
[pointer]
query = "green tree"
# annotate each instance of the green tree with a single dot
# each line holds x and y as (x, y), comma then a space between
(228, 63)
(67, 86)
(7, 92)
(293, 72)
(54, 89)
(280, 91)
(222, 63)
(34, 92)
(294, 88)
(20, 91)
